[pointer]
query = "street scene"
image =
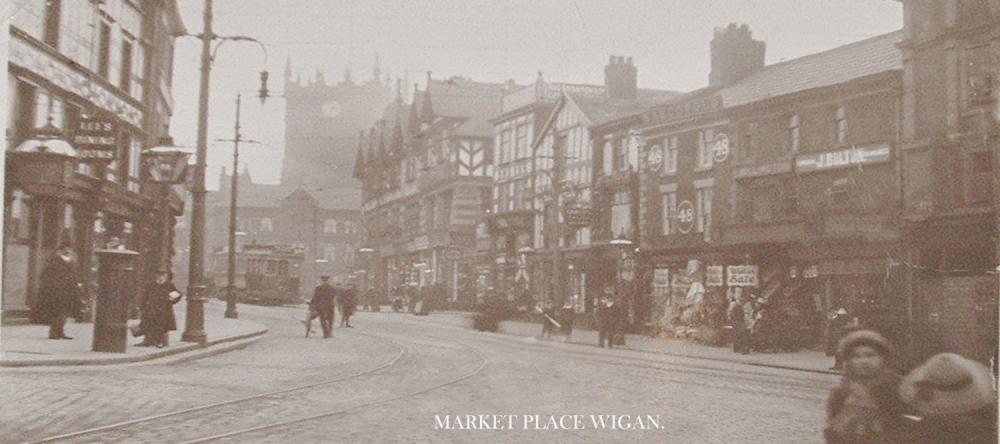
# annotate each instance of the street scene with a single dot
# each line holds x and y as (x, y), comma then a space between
(471, 221)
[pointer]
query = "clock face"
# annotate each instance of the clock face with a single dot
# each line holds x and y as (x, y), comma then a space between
(331, 109)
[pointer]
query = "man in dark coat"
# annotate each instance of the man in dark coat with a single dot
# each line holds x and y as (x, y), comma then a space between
(59, 290)
(324, 301)
(348, 303)
(158, 310)
(606, 315)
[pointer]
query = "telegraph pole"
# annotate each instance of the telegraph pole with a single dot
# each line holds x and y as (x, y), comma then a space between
(231, 271)
(557, 261)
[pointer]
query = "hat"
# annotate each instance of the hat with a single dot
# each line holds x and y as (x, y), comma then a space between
(324, 277)
(842, 311)
(948, 384)
(864, 337)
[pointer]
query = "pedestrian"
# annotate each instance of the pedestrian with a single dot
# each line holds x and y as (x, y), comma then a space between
(566, 316)
(740, 315)
(866, 406)
(348, 303)
(324, 299)
(59, 290)
(605, 319)
(956, 398)
(834, 331)
(158, 310)
(549, 323)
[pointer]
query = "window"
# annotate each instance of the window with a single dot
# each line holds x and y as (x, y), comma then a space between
(839, 192)
(979, 76)
(705, 138)
(840, 126)
(266, 225)
(608, 158)
(134, 156)
(669, 212)
(621, 215)
(104, 50)
(703, 224)
(330, 252)
(126, 74)
(522, 140)
(53, 9)
(621, 155)
(793, 133)
(505, 148)
(330, 226)
(670, 156)
(749, 145)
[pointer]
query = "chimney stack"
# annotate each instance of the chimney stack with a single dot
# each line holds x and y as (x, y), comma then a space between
(620, 78)
(735, 54)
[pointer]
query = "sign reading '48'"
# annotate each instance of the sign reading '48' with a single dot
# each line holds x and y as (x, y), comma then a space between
(685, 217)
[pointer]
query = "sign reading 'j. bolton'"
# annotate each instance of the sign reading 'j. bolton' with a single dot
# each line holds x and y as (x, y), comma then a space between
(842, 158)
(95, 138)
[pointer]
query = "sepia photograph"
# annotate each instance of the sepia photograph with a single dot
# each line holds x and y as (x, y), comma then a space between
(500, 221)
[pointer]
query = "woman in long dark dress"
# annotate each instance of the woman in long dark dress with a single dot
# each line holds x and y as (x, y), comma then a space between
(158, 310)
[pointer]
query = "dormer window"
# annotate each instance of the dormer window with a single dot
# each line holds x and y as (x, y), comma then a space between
(840, 126)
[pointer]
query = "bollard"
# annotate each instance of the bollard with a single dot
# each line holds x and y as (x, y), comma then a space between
(116, 282)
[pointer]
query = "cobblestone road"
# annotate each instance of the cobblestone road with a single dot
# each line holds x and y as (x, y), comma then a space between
(386, 379)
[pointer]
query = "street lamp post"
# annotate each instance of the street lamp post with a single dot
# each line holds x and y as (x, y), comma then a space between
(194, 328)
(231, 311)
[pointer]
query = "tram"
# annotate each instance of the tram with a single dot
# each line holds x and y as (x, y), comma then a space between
(265, 274)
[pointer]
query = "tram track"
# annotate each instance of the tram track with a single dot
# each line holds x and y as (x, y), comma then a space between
(401, 352)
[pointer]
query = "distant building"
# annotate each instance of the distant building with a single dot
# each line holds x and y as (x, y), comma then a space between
(322, 122)
(99, 76)
(427, 169)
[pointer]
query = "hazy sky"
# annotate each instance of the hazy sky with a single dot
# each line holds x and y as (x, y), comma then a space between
(567, 40)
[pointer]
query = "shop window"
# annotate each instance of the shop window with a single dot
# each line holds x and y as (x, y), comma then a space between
(621, 215)
(17, 227)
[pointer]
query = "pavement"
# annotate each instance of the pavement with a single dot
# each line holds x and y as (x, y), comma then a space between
(804, 360)
(29, 346)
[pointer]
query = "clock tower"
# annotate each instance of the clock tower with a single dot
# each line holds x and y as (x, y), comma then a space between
(322, 123)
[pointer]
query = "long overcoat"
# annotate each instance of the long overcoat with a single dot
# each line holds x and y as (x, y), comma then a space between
(59, 288)
(158, 309)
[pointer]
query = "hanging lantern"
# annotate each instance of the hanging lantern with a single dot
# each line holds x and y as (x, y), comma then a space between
(165, 163)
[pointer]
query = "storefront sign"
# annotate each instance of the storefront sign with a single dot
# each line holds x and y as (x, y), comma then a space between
(95, 138)
(741, 275)
(577, 215)
(688, 108)
(713, 276)
(720, 148)
(762, 170)
(811, 272)
(661, 278)
(685, 217)
(843, 158)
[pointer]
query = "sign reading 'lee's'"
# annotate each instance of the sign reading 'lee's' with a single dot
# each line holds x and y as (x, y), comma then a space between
(95, 138)
(741, 275)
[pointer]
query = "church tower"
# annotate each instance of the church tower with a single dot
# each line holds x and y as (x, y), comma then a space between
(321, 127)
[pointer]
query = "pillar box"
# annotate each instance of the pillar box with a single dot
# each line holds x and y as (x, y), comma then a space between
(116, 279)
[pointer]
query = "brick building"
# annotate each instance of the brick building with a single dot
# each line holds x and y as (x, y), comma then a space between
(950, 154)
(97, 75)
(782, 180)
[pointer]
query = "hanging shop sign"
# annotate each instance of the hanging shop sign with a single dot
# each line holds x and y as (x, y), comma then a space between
(95, 138)
(720, 148)
(685, 217)
(843, 158)
(741, 275)
(714, 276)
